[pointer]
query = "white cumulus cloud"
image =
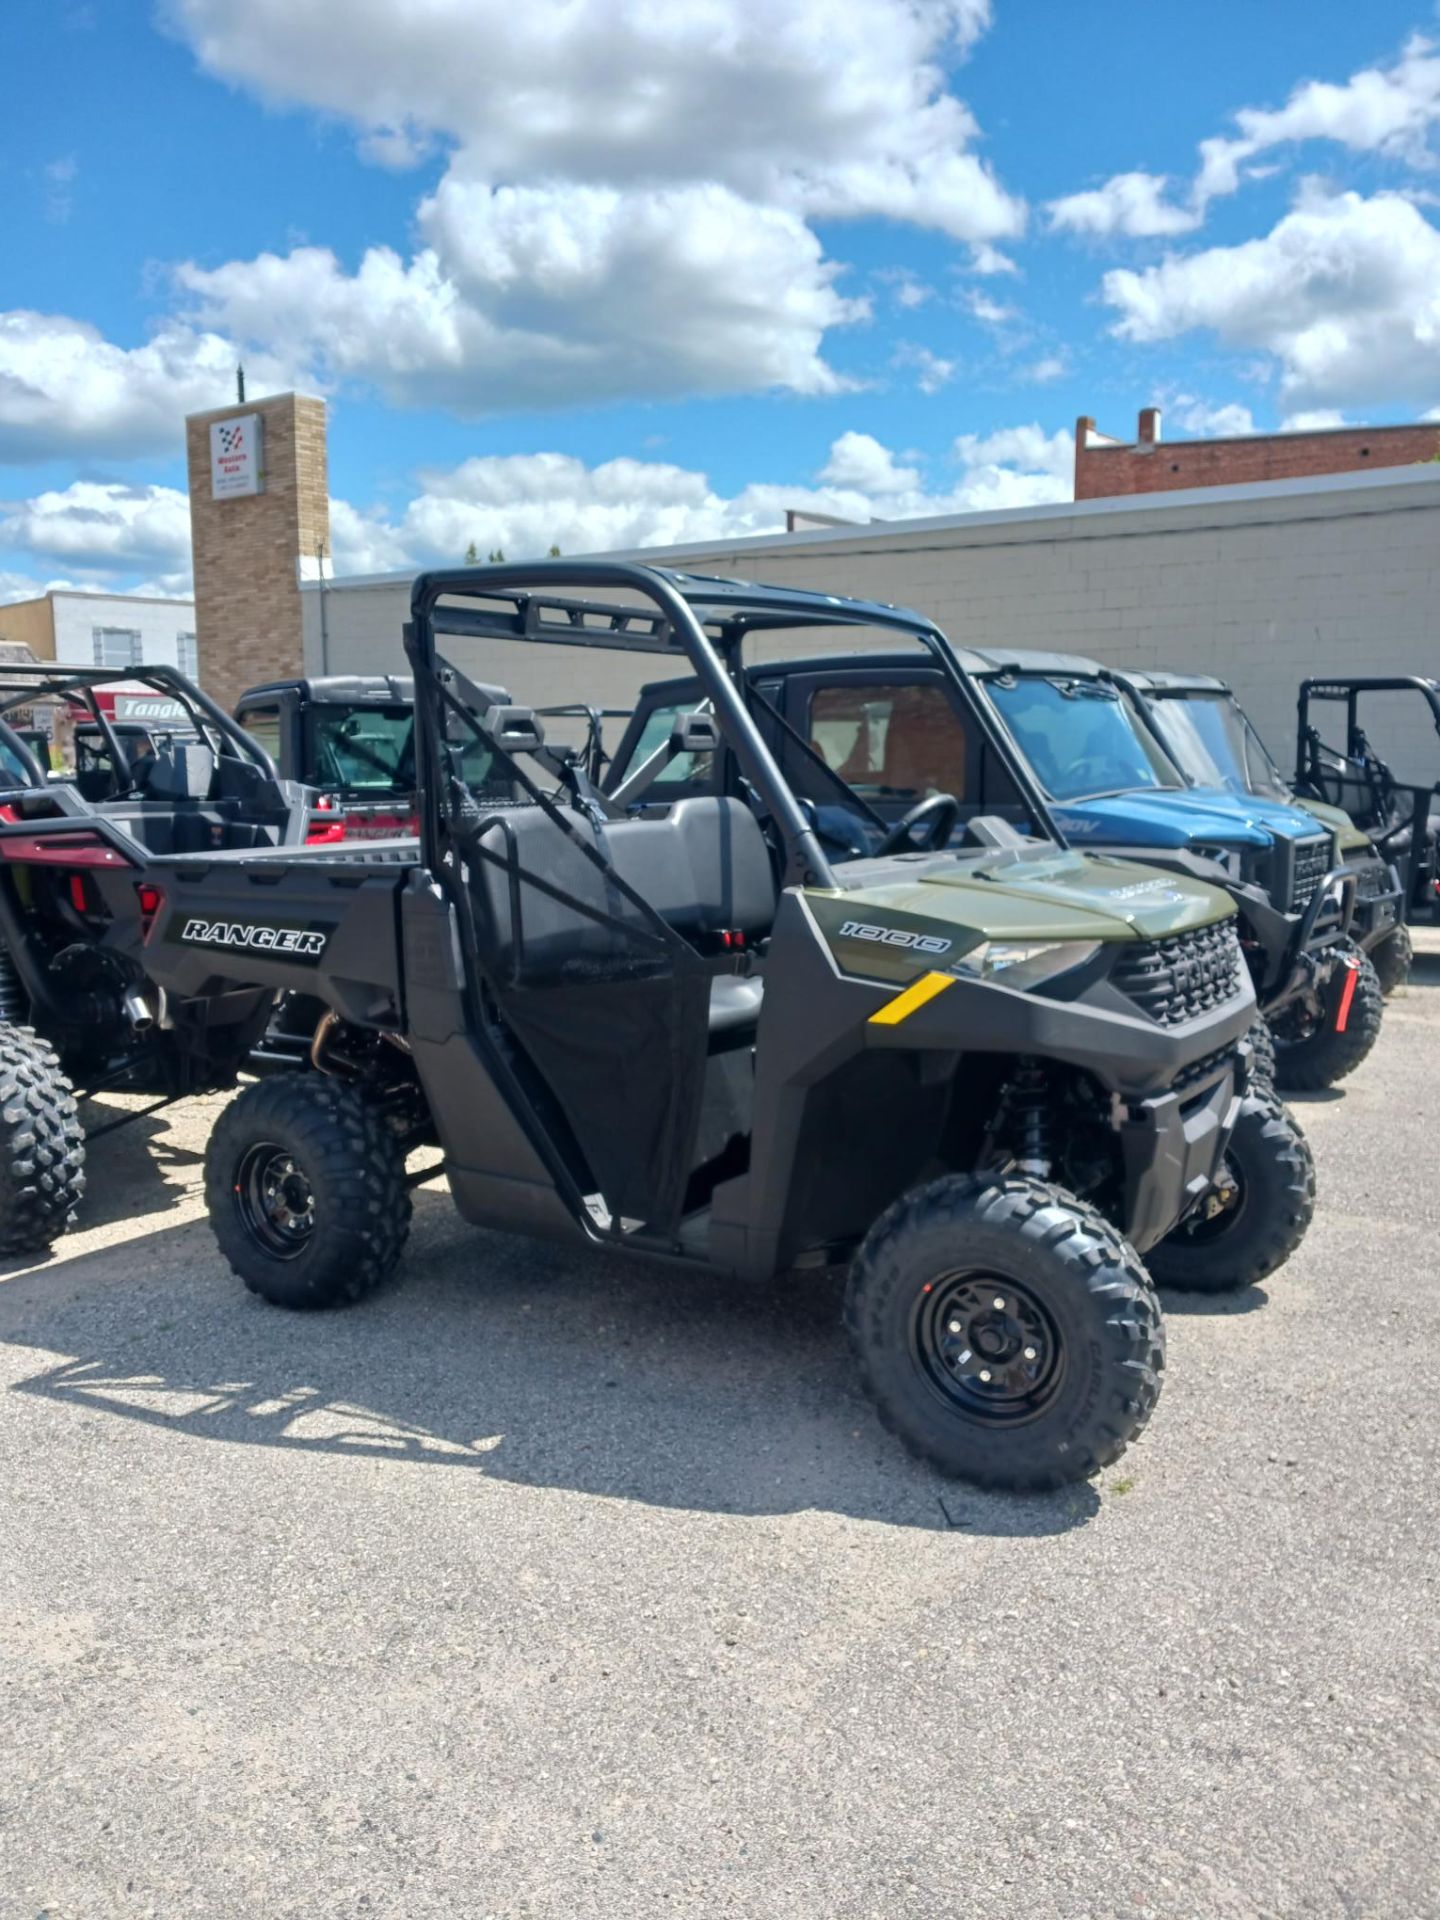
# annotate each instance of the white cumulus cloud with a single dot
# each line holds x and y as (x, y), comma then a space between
(112, 535)
(1390, 111)
(1385, 110)
(1128, 203)
(627, 203)
(833, 108)
(542, 296)
(65, 390)
(102, 525)
(1344, 293)
(524, 503)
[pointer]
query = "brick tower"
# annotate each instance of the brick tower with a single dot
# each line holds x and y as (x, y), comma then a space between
(259, 507)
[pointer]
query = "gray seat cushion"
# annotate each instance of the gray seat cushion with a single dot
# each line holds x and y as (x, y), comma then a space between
(703, 867)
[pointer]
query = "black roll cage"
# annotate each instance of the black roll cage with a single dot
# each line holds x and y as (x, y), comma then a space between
(1417, 862)
(39, 680)
(681, 608)
(1349, 690)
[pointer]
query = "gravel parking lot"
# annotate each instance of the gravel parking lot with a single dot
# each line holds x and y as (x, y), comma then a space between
(548, 1586)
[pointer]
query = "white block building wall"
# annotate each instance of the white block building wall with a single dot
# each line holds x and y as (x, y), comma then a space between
(160, 624)
(1260, 585)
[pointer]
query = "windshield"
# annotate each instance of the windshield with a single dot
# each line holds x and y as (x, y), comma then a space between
(370, 752)
(1079, 736)
(364, 749)
(1211, 739)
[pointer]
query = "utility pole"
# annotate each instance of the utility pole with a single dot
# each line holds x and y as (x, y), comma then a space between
(324, 616)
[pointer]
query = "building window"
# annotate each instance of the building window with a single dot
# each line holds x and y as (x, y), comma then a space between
(188, 655)
(117, 646)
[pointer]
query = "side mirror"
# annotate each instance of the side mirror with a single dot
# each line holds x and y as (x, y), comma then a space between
(694, 733)
(514, 728)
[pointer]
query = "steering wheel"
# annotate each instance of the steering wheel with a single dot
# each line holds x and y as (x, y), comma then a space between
(939, 813)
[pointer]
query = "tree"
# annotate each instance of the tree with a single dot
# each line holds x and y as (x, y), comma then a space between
(497, 555)
(554, 552)
(472, 555)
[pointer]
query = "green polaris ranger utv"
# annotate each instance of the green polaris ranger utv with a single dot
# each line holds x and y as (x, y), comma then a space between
(984, 1077)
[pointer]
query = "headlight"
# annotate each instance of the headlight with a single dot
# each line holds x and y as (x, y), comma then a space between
(1227, 857)
(1023, 964)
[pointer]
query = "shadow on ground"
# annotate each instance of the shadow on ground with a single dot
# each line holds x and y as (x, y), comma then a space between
(542, 1366)
(1214, 1306)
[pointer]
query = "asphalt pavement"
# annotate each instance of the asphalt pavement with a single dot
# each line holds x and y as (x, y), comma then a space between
(543, 1585)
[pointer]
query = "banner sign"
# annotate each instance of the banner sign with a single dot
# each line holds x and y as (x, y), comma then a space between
(235, 467)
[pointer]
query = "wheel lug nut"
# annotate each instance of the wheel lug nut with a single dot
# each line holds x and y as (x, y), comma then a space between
(999, 1306)
(1029, 1353)
(985, 1373)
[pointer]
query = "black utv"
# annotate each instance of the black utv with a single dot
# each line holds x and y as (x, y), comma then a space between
(1401, 816)
(350, 738)
(78, 1014)
(984, 1077)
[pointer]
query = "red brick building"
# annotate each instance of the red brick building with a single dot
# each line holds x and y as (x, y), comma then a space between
(1106, 467)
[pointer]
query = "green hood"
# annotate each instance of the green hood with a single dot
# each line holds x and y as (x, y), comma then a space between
(1348, 836)
(961, 901)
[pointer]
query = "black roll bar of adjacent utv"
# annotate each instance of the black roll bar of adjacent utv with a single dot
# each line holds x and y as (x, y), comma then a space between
(1413, 863)
(52, 678)
(805, 862)
(21, 750)
(1348, 690)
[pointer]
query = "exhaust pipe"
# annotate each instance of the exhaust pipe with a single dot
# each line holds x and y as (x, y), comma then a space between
(137, 1010)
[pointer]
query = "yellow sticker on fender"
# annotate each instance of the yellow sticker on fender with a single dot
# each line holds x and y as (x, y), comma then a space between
(912, 999)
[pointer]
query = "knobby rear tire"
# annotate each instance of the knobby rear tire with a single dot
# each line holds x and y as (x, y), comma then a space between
(42, 1145)
(354, 1173)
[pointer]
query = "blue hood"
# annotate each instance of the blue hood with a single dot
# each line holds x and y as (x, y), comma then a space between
(1189, 817)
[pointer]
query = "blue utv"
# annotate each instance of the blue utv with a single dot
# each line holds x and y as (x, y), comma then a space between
(1113, 787)
(1214, 742)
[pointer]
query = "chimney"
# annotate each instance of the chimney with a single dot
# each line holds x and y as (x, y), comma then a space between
(1149, 434)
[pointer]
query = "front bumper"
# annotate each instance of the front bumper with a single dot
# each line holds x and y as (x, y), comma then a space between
(1300, 953)
(1379, 904)
(1172, 1144)
(1174, 1091)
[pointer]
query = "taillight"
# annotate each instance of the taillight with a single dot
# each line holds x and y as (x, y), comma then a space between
(324, 836)
(60, 850)
(151, 900)
(77, 892)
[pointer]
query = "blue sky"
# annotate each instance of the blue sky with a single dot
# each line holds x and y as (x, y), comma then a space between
(611, 273)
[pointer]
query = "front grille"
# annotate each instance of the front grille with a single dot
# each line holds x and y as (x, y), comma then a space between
(1312, 863)
(1205, 1069)
(1182, 977)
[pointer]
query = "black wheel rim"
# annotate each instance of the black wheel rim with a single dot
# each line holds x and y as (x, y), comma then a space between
(1295, 1026)
(989, 1346)
(275, 1201)
(1221, 1212)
